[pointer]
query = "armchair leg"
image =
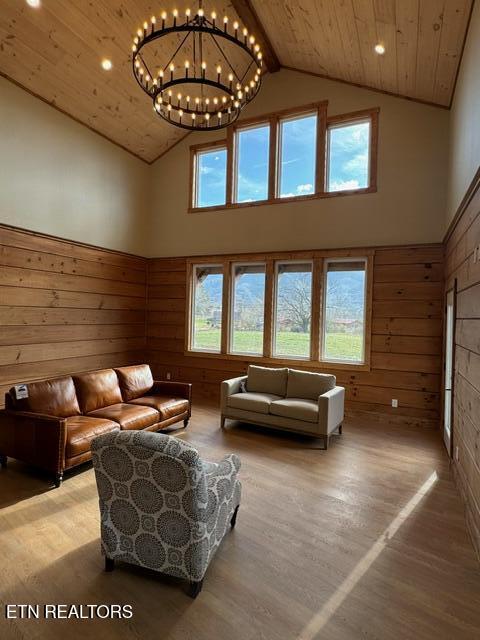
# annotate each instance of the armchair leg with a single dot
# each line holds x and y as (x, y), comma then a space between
(3, 460)
(340, 429)
(222, 422)
(58, 479)
(109, 564)
(325, 442)
(194, 588)
(233, 521)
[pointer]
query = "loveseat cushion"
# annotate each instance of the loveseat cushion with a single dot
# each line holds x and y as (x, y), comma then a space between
(97, 389)
(267, 380)
(128, 416)
(295, 408)
(55, 397)
(134, 381)
(304, 384)
(257, 402)
(166, 406)
(81, 430)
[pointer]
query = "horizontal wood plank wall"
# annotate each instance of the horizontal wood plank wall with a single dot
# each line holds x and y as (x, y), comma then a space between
(406, 336)
(66, 307)
(460, 263)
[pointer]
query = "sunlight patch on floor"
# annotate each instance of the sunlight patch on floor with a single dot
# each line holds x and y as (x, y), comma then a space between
(320, 619)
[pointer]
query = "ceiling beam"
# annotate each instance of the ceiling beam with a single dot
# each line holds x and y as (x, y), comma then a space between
(248, 16)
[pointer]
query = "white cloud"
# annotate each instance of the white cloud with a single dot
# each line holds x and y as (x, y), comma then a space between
(344, 185)
(304, 189)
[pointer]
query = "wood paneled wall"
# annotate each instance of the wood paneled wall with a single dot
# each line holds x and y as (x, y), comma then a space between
(66, 307)
(406, 336)
(461, 265)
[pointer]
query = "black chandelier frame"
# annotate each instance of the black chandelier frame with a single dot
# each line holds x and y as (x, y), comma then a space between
(190, 115)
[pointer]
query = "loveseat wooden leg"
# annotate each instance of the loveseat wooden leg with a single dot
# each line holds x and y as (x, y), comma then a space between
(3, 460)
(222, 422)
(109, 564)
(326, 440)
(340, 429)
(194, 588)
(58, 479)
(233, 521)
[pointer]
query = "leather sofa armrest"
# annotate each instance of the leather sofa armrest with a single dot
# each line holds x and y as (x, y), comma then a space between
(35, 438)
(228, 388)
(331, 407)
(170, 388)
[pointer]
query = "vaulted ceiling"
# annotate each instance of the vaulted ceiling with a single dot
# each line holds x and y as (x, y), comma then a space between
(55, 52)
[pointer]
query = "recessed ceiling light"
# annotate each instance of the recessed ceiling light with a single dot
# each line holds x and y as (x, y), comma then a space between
(380, 49)
(106, 64)
(33, 3)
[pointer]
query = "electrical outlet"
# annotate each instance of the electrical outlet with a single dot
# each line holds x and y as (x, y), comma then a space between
(394, 403)
(457, 455)
(169, 375)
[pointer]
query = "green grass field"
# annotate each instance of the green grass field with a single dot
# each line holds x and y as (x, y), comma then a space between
(339, 345)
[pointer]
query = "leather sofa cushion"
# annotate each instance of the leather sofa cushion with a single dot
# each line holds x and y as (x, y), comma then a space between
(52, 397)
(97, 389)
(295, 408)
(135, 381)
(128, 416)
(81, 430)
(304, 384)
(267, 380)
(166, 406)
(257, 402)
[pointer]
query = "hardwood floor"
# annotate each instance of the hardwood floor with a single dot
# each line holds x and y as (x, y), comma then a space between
(365, 540)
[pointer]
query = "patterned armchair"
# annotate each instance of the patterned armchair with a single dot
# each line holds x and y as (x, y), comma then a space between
(161, 506)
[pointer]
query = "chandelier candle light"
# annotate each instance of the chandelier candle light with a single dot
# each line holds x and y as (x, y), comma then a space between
(214, 72)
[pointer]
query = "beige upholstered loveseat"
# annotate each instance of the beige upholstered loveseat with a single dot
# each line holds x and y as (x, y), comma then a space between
(300, 401)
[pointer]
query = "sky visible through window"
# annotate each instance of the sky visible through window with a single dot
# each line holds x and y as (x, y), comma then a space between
(349, 157)
(212, 177)
(252, 164)
(297, 162)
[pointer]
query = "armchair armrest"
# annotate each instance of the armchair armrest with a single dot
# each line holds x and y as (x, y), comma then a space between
(229, 466)
(331, 409)
(35, 438)
(168, 387)
(228, 388)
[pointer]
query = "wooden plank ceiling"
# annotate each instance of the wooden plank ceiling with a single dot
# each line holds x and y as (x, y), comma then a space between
(55, 52)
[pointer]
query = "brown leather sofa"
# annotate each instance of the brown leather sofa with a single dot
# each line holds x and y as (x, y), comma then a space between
(54, 426)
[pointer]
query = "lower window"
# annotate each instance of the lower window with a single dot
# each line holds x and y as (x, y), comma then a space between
(344, 311)
(207, 308)
(248, 308)
(293, 309)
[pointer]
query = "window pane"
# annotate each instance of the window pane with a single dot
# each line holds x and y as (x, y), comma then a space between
(252, 164)
(344, 330)
(348, 156)
(293, 310)
(248, 287)
(298, 141)
(211, 176)
(207, 308)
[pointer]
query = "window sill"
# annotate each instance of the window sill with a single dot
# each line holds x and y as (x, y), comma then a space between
(262, 203)
(261, 360)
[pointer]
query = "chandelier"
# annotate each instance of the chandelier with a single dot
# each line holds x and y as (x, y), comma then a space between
(214, 72)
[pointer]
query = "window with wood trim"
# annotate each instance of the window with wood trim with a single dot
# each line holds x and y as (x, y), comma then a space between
(252, 163)
(306, 306)
(297, 156)
(344, 308)
(210, 176)
(207, 305)
(248, 309)
(294, 154)
(293, 310)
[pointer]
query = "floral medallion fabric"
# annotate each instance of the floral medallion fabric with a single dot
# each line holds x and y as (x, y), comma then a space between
(161, 506)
